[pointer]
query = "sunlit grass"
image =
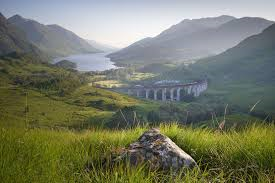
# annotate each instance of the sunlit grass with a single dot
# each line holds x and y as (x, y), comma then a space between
(41, 155)
(109, 83)
(137, 76)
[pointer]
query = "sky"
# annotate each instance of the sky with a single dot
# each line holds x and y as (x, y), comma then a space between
(122, 22)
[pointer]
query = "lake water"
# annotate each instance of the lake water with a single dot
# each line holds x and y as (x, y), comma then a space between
(90, 62)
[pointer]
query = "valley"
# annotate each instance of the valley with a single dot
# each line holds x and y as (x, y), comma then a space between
(72, 109)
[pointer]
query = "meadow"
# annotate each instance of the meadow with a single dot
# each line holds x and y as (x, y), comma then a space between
(61, 155)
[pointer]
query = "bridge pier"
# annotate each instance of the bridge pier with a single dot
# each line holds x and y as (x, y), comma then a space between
(195, 91)
(172, 94)
(163, 93)
(155, 94)
(147, 93)
(189, 90)
(178, 94)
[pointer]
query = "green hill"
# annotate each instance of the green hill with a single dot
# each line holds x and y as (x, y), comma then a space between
(250, 61)
(243, 74)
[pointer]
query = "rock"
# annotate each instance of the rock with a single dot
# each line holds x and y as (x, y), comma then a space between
(159, 151)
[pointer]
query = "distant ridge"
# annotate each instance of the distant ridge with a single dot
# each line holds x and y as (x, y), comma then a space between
(251, 61)
(101, 46)
(52, 39)
(192, 39)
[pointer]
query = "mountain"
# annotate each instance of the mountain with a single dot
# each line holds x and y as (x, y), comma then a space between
(241, 75)
(12, 39)
(52, 39)
(101, 46)
(192, 39)
(188, 26)
(253, 60)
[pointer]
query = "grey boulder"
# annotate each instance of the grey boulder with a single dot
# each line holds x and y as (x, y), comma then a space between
(157, 150)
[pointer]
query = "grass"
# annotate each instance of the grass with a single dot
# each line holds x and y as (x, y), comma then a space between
(138, 76)
(84, 107)
(238, 94)
(86, 95)
(42, 110)
(231, 121)
(109, 83)
(43, 155)
(32, 151)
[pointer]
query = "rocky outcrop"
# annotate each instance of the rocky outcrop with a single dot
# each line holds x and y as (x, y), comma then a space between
(159, 151)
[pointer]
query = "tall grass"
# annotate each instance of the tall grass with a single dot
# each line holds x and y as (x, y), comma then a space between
(44, 155)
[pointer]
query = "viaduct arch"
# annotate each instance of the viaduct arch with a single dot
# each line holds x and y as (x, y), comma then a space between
(171, 92)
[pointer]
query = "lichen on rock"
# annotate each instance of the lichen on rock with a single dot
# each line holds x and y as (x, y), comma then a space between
(158, 151)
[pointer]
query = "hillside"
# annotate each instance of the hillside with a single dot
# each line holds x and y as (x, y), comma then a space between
(192, 39)
(243, 74)
(38, 94)
(12, 39)
(251, 61)
(52, 39)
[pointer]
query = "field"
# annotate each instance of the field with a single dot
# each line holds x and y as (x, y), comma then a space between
(44, 155)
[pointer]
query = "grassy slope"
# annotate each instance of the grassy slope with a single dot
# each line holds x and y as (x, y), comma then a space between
(82, 105)
(38, 155)
(247, 95)
(86, 105)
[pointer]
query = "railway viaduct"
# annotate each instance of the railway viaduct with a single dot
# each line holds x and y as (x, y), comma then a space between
(166, 92)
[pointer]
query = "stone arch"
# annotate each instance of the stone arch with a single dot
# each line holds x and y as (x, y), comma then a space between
(183, 93)
(175, 93)
(151, 94)
(159, 94)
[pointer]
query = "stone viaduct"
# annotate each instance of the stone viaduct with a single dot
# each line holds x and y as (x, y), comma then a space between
(164, 92)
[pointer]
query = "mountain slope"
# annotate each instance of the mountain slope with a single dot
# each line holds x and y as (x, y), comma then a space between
(192, 39)
(12, 39)
(242, 75)
(253, 60)
(52, 39)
